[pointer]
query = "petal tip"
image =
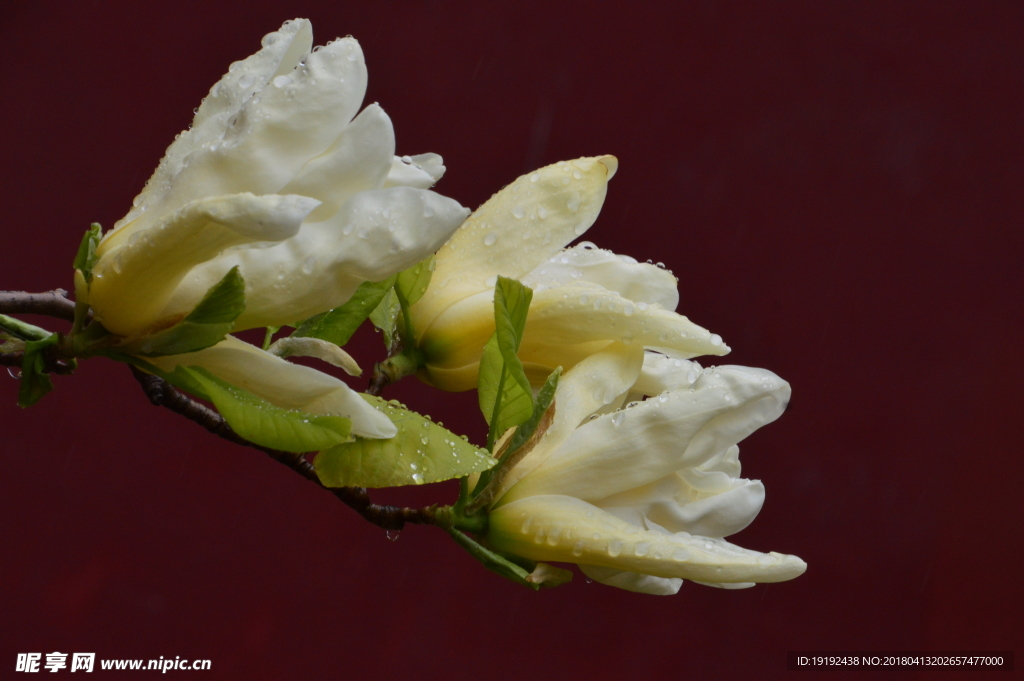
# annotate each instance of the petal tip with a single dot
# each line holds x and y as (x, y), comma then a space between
(611, 163)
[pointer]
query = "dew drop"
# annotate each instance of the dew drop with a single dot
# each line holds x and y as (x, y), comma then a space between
(642, 306)
(614, 547)
(577, 175)
(642, 548)
(246, 81)
(308, 265)
(417, 478)
(13, 372)
(681, 555)
(617, 418)
(577, 548)
(542, 212)
(282, 81)
(535, 177)
(393, 535)
(715, 339)
(519, 212)
(490, 239)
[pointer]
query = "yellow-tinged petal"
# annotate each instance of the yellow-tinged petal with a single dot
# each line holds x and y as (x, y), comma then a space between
(132, 283)
(287, 385)
(520, 227)
(590, 385)
(565, 529)
(562, 322)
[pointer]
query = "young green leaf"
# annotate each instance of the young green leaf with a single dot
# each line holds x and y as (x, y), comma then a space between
(421, 452)
(207, 324)
(493, 561)
(413, 282)
(34, 382)
(85, 259)
(504, 393)
(520, 444)
(258, 421)
(338, 325)
(385, 316)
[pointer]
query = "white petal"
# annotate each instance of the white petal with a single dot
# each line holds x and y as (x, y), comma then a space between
(294, 118)
(564, 529)
(590, 385)
(292, 346)
(374, 235)
(133, 283)
(520, 227)
(421, 171)
(358, 160)
(639, 282)
(281, 50)
(726, 585)
(677, 430)
(632, 581)
(287, 385)
(662, 373)
(677, 505)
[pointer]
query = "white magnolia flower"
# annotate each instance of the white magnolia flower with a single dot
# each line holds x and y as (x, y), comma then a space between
(278, 176)
(641, 498)
(584, 298)
(286, 385)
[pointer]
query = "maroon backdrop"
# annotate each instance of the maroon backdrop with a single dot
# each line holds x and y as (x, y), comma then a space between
(838, 188)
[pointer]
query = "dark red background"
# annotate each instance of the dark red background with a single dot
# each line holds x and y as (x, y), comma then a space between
(838, 188)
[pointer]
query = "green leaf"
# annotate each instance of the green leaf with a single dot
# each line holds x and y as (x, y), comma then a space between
(504, 393)
(493, 561)
(34, 382)
(526, 430)
(338, 325)
(223, 302)
(258, 421)
(385, 316)
(421, 452)
(207, 324)
(85, 259)
(413, 282)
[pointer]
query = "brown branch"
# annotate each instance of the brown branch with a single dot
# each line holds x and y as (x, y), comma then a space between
(52, 304)
(162, 394)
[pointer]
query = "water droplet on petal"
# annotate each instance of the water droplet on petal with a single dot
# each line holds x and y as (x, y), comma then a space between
(14, 372)
(519, 212)
(392, 535)
(490, 239)
(282, 81)
(308, 265)
(715, 339)
(617, 418)
(246, 81)
(534, 177)
(641, 548)
(417, 478)
(614, 547)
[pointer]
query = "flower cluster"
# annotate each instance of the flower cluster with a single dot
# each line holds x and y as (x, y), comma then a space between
(283, 205)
